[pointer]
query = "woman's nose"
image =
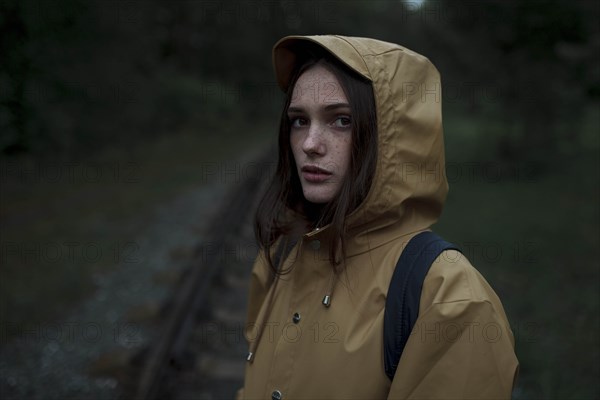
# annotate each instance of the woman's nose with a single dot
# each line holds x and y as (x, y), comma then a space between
(313, 142)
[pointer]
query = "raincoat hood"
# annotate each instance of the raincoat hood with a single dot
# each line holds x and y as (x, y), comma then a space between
(409, 187)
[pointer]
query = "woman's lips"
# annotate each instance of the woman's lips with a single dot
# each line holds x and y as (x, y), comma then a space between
(315, 174)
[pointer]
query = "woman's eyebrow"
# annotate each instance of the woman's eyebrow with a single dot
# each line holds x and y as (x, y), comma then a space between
(295, 109)
(328, 107)
(335, 106)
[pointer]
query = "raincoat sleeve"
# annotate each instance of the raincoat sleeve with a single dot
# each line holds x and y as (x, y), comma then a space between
(461, 346)
(260, 282)
(259, 286)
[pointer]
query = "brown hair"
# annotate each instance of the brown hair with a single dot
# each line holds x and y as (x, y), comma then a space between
(283, 210)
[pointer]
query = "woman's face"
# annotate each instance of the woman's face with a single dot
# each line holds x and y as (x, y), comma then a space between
(320, 133)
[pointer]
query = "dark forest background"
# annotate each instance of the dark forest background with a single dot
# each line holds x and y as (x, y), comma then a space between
(156, 66)
(153, 90)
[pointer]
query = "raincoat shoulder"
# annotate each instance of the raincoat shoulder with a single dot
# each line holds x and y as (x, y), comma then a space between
(461, 346)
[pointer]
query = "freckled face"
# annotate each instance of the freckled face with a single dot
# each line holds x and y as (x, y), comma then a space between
(320, 133)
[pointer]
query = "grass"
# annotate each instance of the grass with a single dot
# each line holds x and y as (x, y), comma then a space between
(535, 238)
(64, 222)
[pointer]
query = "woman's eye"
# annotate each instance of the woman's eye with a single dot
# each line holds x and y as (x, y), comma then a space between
(298, 122)
(343, 122)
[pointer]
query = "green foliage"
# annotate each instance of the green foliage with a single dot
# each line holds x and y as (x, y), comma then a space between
(529, 65)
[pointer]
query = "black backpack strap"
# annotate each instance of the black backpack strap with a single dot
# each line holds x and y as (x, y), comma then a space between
(404, 294)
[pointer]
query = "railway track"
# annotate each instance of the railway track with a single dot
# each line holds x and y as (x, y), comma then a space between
(200, 352)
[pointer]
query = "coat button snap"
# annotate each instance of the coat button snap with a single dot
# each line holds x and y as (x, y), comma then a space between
(315, 244)
(296, 318)
(276, 395)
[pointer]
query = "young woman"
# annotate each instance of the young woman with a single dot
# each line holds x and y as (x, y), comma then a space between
(361, 172)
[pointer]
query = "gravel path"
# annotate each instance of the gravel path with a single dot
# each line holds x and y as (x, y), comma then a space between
(214, 357)
(72, 359)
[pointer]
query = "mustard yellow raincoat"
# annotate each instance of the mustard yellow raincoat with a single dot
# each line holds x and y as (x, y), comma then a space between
(461, 346)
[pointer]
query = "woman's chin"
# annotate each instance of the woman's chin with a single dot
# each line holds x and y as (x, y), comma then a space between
(318, 195)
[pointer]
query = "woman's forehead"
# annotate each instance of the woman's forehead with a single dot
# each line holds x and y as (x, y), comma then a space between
(317, 85)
